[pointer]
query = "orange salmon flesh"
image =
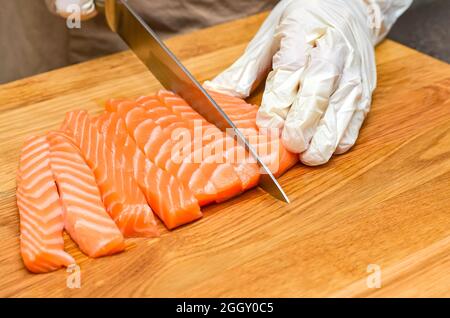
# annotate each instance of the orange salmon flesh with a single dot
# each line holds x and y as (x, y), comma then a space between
(139, 164)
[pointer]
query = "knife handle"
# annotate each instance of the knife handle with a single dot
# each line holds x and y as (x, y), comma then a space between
(109, 8)
(100, 3)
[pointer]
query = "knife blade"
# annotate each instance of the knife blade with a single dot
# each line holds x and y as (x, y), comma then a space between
(172, 74)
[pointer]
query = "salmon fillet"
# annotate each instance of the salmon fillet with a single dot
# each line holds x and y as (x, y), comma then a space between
(85, 217)
(121, 195)
(208, 180)
(40, 210)
(213, 139)
(101, 178)
(269, 147)
(212, 144)
(174, 203)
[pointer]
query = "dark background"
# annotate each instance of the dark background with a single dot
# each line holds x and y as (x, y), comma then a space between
(426, 28)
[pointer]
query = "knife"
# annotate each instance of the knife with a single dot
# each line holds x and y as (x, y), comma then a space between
(171, 73)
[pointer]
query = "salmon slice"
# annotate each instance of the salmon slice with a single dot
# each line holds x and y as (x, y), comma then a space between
(267, 144)
(208, 180)
(40, 210)
(214, 140)
(150, 136)
(121, 195)
(211, 150)
(172, 201)
(85, 217)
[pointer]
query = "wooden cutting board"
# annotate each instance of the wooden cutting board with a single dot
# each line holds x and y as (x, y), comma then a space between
(382, 206)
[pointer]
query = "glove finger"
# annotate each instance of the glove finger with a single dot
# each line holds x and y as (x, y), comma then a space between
(351, 133)
(340, 125)
(342, 106)
(248, 70)
(296, 37)
(320, 81)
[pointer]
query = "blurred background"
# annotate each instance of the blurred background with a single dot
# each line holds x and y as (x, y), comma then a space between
(32, 40)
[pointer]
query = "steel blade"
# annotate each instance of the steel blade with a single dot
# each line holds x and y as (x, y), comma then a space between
(172, 74)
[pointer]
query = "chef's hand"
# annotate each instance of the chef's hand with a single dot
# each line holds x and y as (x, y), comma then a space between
(65, 8)
(321, 57)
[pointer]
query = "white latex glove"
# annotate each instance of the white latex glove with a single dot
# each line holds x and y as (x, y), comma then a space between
(321, 53)
(63, 7)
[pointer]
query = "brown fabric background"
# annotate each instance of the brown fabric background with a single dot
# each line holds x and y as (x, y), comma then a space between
(32, 40)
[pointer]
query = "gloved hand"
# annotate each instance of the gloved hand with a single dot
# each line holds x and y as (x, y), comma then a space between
(321, 53)
(63, 7)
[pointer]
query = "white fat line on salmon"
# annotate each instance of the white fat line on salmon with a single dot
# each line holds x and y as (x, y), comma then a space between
(188, 308)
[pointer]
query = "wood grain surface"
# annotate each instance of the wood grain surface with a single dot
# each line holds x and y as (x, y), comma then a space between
(386, 202)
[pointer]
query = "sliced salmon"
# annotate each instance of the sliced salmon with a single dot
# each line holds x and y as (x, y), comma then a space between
(208, 180)
(85, 216)
(121, 195)
(170, 200)
(267, 143)
(210, 137)
(214, 141)
(40, 210)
